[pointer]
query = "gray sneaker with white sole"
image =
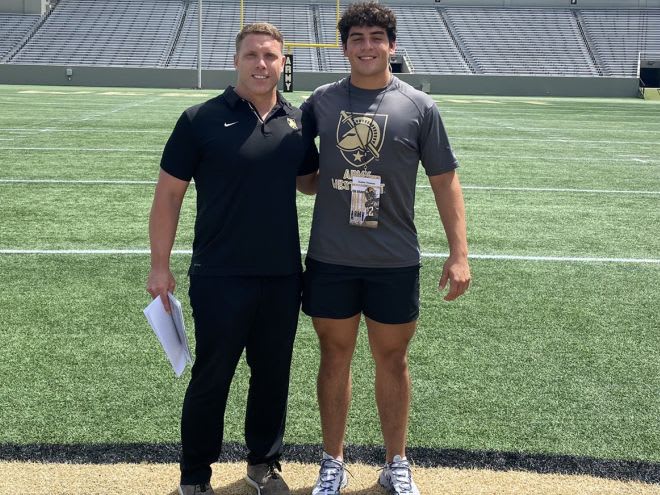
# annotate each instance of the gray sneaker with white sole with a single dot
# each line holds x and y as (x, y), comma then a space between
(266, 479)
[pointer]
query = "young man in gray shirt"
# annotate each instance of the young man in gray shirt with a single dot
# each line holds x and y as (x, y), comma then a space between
(363, 256)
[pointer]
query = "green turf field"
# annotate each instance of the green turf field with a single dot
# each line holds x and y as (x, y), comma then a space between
(556, 350)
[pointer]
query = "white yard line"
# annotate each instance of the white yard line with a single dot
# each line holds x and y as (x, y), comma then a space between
(90, 130)
(542, 158)
(495, 127)
(39, 148)
(85, 251)
(420, 186)
(578, 259)
(550, 189)
(551, 140)
(76, 181)
(462, 155)
(121, 108)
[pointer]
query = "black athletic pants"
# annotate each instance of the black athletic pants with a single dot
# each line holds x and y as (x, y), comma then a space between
(260, 315)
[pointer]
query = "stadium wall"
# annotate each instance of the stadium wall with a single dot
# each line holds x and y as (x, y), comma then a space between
(23, 6)
(54, 75)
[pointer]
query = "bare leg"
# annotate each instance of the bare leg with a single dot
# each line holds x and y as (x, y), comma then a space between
(389, 347)
(337, 339)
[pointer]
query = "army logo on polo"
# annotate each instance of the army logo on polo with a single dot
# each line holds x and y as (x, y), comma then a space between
(292, 123)
(360, 136)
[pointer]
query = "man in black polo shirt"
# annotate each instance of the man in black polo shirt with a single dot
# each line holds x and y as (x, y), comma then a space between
(246, 151)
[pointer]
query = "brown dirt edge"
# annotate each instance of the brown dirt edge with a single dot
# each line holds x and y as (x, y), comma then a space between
(619, 470)
(30, 478)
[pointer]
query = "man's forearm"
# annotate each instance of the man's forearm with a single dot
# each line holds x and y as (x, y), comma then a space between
(451, 207)
(163, 223)
(164, 218)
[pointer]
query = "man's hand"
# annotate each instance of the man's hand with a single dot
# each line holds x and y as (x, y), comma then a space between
(159, 283)
(456, 271)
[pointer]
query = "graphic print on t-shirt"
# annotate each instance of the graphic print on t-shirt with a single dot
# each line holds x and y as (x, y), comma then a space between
(360, 136)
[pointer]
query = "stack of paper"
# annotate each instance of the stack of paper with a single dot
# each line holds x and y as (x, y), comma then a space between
(171, 332)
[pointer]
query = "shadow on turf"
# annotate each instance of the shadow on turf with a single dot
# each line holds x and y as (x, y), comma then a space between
(240, 488)
(644, 471)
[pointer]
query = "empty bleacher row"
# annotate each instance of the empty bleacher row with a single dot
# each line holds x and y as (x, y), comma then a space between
(13, 29)
(218, 35)
(105, 32)
(332, 59)
(428, 42)
(544, 41)
(434, 39)
(617, 39)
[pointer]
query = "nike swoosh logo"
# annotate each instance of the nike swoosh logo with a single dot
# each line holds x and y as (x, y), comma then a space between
(231, 124)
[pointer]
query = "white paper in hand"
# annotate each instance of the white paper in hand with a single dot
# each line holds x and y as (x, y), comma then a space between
(177, 316)
(171, 332)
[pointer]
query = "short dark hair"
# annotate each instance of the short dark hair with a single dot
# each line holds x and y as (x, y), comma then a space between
(259, 28)
(367, 14)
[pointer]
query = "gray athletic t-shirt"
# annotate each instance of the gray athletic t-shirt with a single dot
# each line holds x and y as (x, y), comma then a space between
(366, 133)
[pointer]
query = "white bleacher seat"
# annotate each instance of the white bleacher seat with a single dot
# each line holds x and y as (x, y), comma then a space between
(13, 29)
(619, 35)
(522, 41)
(221, 23)
(423, 35)
(102, 32)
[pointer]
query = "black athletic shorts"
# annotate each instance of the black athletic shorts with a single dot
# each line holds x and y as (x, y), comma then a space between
(385, 295)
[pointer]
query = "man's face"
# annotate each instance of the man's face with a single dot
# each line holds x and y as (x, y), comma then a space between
(368, 50)
(259, 64)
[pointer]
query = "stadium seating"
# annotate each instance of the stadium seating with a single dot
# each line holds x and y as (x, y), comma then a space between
(219, 26)
(13, 29)
(221, 21)
(296, 23)
(434, 39)
(105, 32)
(617, 37)
(427, 41)
(522, 41)
(332, 59)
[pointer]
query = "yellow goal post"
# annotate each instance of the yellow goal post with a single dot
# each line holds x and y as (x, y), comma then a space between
(296, 44)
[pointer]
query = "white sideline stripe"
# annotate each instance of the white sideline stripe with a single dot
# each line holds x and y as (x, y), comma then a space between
(454, 138)
(421, 186)
(121, 108)
(496, 126)
(463, 155)
(547, 140)
(580, 259)
(550, 189)
(87, 251)
(35, 148)
(103, 130)
(76, 181)
(475, 155)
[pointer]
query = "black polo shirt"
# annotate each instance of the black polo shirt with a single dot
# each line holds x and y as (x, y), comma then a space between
(245, 174)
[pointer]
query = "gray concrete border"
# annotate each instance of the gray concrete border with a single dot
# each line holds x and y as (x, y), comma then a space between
(95, 76)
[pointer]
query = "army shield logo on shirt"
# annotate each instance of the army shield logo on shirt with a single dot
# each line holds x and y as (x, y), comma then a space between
(360, 136)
